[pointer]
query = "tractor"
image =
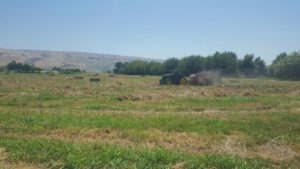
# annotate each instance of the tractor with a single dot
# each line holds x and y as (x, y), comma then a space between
(173, 79)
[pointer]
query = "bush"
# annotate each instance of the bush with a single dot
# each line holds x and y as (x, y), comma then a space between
(19, 67)
(66, 71)
(287, 67)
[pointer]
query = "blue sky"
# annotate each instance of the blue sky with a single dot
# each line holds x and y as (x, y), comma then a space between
(152, 28)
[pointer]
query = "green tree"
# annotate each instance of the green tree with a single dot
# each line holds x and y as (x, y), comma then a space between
(275, 61)
(154, 68)
(12, 65)
(226, 62)
(170, 65)
(19, 67)
(246, 65)
(287, 67)
(136, 67)
(191, 64)
(119, 68)
(260, 67)
(280, 57)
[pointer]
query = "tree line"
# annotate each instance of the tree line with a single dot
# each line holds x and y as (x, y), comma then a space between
(225, 62)
(20, 67)
(284, 66)
(26, 68)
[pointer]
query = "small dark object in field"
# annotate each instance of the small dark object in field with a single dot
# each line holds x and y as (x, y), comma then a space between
(264, 107)
(129, 97)
(78, 77)
(67, 87)
(120, 99)
(94, 79)
(97, 74)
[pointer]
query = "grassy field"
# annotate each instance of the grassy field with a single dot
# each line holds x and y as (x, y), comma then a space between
(133, 122)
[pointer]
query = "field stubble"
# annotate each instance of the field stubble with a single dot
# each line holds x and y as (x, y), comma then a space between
(243, 123)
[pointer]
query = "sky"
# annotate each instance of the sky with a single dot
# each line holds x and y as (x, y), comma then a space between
(157, 29)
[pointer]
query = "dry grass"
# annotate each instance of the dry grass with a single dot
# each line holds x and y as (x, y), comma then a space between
(232, 145)
(276, 150)
(2, 154)
(178, 166)
(238, 118)
(194, 143)
(5, 164)
(188, 142)
(273, 150)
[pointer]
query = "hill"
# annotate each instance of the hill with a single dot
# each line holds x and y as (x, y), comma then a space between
(48, 59)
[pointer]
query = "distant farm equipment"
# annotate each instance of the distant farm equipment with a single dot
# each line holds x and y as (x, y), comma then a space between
(173, 79)
(204, 78)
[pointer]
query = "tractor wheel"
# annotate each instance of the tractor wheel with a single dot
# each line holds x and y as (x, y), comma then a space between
(183, 81)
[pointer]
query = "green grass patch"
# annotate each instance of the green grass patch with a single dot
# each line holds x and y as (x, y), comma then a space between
(256, 125)
(57, 154)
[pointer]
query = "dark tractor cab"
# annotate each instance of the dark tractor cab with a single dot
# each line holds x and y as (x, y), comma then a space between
(173, 79)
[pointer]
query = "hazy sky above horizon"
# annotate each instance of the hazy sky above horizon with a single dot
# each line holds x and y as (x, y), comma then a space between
(152, 28)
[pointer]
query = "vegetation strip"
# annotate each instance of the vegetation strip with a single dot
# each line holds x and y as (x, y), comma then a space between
(68, 155)
(185, 142)
(261, 126)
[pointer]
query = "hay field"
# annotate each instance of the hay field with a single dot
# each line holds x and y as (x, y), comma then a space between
(133, 122)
